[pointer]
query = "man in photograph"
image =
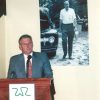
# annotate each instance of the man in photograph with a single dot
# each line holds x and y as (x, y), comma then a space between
(67, 25)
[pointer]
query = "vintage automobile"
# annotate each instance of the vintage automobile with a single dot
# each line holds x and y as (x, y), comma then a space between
(49, 36)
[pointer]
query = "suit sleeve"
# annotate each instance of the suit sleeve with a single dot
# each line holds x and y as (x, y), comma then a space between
(11, 69)
(47, 67)
(48, 73)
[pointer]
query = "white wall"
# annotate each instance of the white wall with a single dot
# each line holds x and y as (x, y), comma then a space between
(2, 47)
(22, 18)
(71, 83)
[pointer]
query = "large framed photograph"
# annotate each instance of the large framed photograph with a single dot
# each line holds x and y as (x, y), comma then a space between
(64, 48)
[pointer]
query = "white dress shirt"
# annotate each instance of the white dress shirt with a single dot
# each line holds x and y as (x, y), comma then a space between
(67, 17)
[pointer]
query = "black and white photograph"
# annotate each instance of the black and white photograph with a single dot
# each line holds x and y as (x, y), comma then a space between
(2, 7)
(64, 31)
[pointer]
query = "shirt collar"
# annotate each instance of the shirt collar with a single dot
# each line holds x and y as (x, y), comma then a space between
(25, 56)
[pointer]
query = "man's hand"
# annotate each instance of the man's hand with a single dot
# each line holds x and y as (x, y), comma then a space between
(59, 30)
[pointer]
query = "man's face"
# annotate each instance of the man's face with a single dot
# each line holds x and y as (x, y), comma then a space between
(66, 5)
(26, 45)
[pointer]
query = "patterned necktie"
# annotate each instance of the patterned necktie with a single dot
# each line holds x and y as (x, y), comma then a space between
(29, 67)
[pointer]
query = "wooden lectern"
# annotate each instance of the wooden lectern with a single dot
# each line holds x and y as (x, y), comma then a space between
(42, 87)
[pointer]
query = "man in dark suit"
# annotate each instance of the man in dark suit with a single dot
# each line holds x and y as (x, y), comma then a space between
(40, 64)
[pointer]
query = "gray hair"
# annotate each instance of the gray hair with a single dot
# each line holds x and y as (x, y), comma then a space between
(24, 36)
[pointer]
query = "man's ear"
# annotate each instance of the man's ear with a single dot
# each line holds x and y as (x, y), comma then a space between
(20, 47)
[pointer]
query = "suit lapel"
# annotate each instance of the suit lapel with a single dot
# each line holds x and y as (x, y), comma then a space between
(22, 64)
(33, 60)
(35, 65)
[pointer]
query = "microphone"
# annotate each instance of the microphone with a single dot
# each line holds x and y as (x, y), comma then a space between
(29, 57)
(13, 75)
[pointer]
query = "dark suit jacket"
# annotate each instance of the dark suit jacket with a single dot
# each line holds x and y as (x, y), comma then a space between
(40, 66)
